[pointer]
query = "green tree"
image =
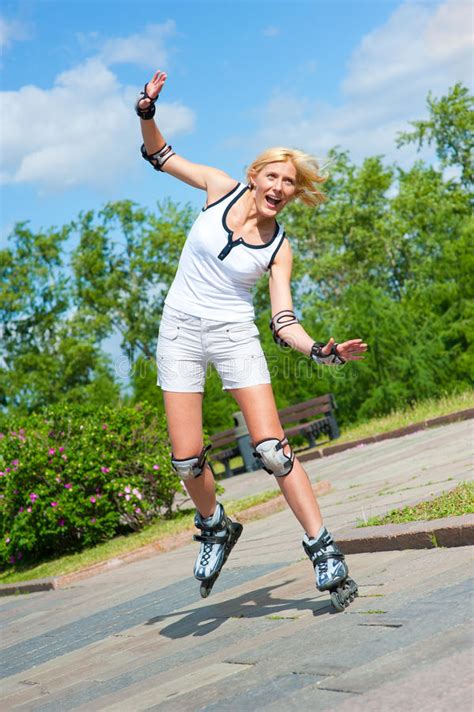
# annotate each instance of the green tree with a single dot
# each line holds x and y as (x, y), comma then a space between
(450, 128)
(47, 353)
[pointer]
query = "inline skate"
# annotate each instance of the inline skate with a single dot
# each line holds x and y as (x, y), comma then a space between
(331, 569)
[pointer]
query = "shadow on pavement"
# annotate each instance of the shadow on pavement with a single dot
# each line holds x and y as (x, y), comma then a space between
(254, 604)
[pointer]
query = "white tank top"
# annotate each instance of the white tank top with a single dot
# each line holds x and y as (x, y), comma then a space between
(217, 272)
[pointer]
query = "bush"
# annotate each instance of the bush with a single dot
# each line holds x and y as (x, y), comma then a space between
(71, 478)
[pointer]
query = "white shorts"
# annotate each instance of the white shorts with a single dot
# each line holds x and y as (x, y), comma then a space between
(188, 344)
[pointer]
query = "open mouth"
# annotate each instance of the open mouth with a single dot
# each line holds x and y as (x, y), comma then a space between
(272, 201)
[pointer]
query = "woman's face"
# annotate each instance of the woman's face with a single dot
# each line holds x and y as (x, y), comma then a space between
(275, 186)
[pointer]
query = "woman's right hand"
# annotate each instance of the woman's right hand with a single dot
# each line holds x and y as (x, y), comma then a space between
(153, 88)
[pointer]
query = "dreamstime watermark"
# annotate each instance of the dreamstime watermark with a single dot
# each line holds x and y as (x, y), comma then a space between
(235, 370)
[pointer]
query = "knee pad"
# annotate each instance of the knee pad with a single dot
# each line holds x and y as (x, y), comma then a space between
(191, 467)
(274, 460)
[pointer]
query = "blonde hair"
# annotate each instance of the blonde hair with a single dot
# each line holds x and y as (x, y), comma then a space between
(308, 174)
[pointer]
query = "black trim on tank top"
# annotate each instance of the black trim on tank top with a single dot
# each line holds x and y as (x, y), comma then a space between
(240, 241)
(278, 247)
(216, 202)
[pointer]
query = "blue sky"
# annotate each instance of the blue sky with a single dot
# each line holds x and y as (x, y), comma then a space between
(242, 76)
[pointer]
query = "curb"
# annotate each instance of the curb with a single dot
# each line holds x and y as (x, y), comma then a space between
(168, 543)
(451, 531)
(398, 433)
(11, 589)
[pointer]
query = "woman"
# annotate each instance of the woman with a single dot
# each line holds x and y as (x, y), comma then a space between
(209, 317)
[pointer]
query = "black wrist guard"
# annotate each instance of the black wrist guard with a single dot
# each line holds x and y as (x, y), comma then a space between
(149, 112)
(332, 359)
(159, 158)
(278, 322)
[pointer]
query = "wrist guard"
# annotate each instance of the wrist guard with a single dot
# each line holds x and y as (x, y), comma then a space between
(158, 159)
(149, 111)
(332, 359)
(278, 322)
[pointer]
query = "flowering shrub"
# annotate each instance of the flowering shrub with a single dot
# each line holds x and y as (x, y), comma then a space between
(70, 478)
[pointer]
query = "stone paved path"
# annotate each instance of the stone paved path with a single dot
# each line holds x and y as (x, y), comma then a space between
(140, 638)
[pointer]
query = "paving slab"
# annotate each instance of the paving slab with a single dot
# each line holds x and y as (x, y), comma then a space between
(138, 637)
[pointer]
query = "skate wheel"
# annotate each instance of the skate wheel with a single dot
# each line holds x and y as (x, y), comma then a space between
(204, 591)
(336, 602)
(237, 529)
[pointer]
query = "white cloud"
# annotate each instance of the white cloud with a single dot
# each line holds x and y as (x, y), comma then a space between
(146, 49)
(11, 31)
(421, 48)
(83, 131)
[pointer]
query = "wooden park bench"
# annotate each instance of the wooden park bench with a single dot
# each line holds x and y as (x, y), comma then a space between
(311, 419)
(225, 454)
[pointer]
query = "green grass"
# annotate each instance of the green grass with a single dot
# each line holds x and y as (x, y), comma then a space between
(180, 521)
(458, 501)
(431, 408)
(372, 612)
(424, 410)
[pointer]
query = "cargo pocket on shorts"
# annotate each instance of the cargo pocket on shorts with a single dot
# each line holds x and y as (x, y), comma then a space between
(169, 332)
(242, 332)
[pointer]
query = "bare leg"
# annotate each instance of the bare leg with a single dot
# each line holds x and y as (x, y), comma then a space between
(184, 417)
(258, 406)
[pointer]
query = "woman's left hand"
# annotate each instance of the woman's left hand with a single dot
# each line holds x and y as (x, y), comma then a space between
(351, 350)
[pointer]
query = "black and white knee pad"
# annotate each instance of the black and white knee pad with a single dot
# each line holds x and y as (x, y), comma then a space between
(191, 467)
(273, 458)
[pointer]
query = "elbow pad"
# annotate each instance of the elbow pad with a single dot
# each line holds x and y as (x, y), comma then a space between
(159, 158)
(278, 322)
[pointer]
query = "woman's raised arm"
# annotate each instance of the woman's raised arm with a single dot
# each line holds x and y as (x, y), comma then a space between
(158, 153)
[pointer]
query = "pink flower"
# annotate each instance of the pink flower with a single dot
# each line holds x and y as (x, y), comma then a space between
(120, 494)
(127, 497)
(93, 520)
(93, 500)
(156, 467)
(138, 510)
(33, 496)
(61, 522)
(61, 449)
(52, 451)
(15, 462)
(2, 436)
(127, 489)
(2, 474)
(137, 493)
(104, 426)
(68, 485)
(28, 509)
(7, 540)
(20, 510)
(58, 479)
(64, 457)
(105, 470)
(54, 504)
(7, 469)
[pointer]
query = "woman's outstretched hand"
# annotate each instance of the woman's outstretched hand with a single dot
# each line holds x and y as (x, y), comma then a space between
(153, 88)
(349, 350)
